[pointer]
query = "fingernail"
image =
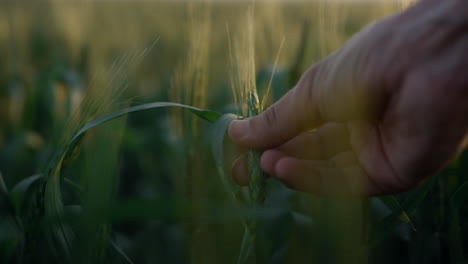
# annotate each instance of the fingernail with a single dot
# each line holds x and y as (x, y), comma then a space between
(238, 129)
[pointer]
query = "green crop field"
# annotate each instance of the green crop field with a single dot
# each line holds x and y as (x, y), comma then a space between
(96, 168)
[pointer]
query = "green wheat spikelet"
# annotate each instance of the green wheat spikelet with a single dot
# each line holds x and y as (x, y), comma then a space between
(257, 189)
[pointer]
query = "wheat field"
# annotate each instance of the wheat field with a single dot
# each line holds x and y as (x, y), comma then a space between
(92, 172)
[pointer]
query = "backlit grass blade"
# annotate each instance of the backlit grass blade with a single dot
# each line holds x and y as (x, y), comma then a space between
(121, 252)
(20, 190)
(247, 246)
(54, 207)
(412, 201)
(397, 209)
(6, 206)
(3, 187)
(460, 195)
(210, 116)
(217, 147)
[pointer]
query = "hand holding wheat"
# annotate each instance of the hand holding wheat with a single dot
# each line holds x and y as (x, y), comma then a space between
(388, 109)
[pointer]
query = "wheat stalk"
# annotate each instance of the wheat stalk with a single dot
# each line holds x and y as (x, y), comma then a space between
(243, 81)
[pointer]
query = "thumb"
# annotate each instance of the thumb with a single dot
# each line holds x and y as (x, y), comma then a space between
(294, 113)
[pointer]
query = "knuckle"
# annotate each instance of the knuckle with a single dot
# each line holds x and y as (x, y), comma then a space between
(309, 90)
(271, 117)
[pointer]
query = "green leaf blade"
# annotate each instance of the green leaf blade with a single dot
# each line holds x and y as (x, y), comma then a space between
(217, 147)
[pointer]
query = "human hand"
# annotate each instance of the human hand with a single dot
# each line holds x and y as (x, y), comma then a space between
(388, 109)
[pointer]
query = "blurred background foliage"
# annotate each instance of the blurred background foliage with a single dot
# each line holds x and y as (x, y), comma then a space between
(145, 189)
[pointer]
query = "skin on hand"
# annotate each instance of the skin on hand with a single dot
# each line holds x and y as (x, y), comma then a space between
(378, 116)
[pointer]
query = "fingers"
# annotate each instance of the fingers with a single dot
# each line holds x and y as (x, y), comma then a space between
(239, 171)
(294, 113)
(339, 175)
(296, 174)
(271, 160)
(320, 144)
